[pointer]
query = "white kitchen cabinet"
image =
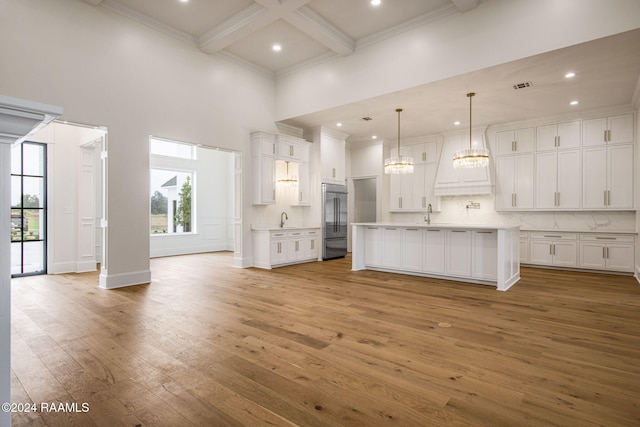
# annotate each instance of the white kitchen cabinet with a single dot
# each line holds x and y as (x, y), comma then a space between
(373, 246)
(558, 136)
(401, 186)
(292, 149)
(458, 260)
(414, 191)
(516, 141)
(273, 248)
(514, 182)
(608, 178)
(484, 254)
(412, 249)
(556, 249)
(392, 247)
(608, 130)
(433, 254)
(263, 150)
(558, 180)
(332, 155)
(607, 252)
(303, 191)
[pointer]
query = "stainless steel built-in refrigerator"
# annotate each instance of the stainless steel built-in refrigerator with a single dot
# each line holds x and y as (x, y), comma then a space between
(334, 221)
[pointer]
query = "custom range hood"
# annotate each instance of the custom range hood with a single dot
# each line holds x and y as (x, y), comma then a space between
(451, 181)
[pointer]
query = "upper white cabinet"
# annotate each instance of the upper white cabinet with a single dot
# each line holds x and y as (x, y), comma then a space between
(515, 141)
(292, 149)
(608, 178)
(558, 136)
(514, 182)
(558, 180)
(608, 130)
(263, 156)
(414, 192)
(329, 147)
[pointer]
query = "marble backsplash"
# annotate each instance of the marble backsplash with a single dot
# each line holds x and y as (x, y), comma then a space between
(453, 209)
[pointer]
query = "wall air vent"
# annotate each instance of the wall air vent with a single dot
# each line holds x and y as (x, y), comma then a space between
(367, 119)
(522, 85)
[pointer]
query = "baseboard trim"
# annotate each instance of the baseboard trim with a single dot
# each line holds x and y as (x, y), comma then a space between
(241, 262)
(114, 281)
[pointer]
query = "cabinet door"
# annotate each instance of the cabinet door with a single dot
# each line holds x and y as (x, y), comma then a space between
(546, 137)
(504, 143)
(541, 252)
(546, 180)
(264, 176)
(592, 255)
(568, 135)
(484, 255)
(620, 256)
(303, 198)
(278, 252)
(620, 129)
(524, 140)
(434, 251)
(523, 182)
(524, 251)
(594, 132)
(332, 154)
(412, 249)
(392, 247)
(565, 254)
(594, 180)
(569, 179)
(505, 173)
(373, 246)
(418, 196)
(620, 176)
(459, 253)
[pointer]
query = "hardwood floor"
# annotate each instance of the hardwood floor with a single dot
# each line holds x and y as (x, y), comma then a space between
(318, 345)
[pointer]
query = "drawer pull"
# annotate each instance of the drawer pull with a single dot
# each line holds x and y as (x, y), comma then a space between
(557, 237)
(606, 238)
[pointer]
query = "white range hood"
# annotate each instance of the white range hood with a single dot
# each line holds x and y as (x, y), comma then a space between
(462, 182)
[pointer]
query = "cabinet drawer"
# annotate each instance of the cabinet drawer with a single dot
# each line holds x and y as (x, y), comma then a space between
(554, 236)
(606, 238)
(311, 232)
(278, 235)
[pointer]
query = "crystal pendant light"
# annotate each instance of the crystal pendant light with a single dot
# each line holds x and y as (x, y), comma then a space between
(399, 164)
(288, 180)
(471, 157)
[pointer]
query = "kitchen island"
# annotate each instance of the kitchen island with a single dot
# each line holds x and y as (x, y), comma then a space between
(483, 254)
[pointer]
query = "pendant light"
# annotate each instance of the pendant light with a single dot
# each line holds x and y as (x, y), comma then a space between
(399, 164)
(288, 181)
(471, 157)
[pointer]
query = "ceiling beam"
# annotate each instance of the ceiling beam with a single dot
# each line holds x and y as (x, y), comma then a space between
(93, 2)
(465, 5)
(323, 31)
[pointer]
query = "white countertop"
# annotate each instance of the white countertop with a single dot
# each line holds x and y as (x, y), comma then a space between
(550, 230)
(276, 227)
(439, 225)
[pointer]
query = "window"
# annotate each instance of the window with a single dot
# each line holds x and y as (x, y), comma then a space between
(171, 201)
(172, 195)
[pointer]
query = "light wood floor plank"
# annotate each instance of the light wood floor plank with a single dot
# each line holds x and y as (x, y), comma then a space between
(320, 345)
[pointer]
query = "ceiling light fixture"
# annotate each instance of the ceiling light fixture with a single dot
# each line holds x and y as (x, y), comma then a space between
(288, 181)
(376, 2)
(569, 75)
(574, 103)
(339, 124)
(399, 164)
(276, 48)
(471, 157)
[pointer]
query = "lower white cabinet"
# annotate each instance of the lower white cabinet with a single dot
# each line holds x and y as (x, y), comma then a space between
(524, 247)
(276, 248)
(392, 247)
(433, 250)
(558, 249)
(484, 254)
(373, 246)
(607, 252)
(459, 253)
(412, 249)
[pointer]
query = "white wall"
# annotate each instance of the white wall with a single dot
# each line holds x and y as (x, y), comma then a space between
(452, 46)
(105, 69)
(214, 197)
(5, 280)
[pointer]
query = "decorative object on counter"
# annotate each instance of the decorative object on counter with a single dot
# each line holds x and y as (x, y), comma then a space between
(473, 205)
(399, 164)
(471, 157)
(288, 180)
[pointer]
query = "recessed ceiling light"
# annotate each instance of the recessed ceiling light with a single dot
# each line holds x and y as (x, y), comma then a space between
(456, 123)
(574, 103)
(569, 75)
(374, 137)
(184, 1)
(376, 2)
(276, 48)
(338, 124)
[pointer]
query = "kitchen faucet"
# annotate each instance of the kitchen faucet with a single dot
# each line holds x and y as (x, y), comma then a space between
(427, 218)
(283, 217)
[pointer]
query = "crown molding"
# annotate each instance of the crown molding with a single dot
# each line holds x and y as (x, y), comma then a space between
(148, 21)
(246, 64)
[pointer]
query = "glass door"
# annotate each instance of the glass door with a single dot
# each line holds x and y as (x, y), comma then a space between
(28, 209)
